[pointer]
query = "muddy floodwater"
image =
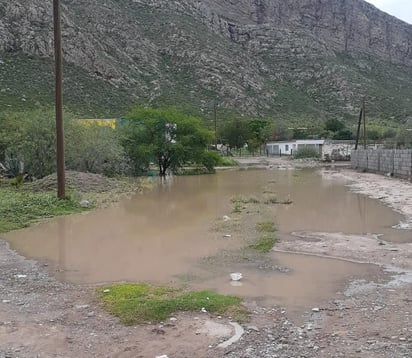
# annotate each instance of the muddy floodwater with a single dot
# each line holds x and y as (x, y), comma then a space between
(162, 235)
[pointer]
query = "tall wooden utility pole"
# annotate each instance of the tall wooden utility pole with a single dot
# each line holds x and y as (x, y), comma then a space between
(215, 119)
(358, 130)
(364, 122)
(59, 101)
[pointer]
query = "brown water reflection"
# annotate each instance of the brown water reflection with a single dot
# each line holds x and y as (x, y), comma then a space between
(162, 234)
(310, 281)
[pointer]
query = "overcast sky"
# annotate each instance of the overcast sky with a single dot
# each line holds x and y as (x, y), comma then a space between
(402, 9)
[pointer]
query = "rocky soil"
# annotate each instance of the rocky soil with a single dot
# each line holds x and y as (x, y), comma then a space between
(40, 317)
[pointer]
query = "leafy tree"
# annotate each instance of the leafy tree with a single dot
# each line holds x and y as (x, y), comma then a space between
(94, 149)
(235, 132)
(334, 125)
(280, 133)
(10, 134)
(166, 137)
(343, 134)
(259, 133)
(29, 137)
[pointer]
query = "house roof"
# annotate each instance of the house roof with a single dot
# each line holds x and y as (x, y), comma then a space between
(299, 141)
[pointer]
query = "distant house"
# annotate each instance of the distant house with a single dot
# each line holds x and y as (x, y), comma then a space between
(290, 147)
(101, 122)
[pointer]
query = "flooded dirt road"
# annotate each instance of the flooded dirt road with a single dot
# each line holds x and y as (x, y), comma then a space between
(161, 235)
(360, 311)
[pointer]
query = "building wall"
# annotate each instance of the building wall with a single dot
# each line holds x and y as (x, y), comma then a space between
(393, 161)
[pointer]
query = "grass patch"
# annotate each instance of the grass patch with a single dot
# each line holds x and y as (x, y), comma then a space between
(227, 162)
(239, 198)
(264, 244)
(19, 208)
(273, 199)
(239, 201)
(142, 303)
(266, 226)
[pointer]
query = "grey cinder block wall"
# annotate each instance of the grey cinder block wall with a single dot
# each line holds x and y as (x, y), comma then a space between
(387, 161)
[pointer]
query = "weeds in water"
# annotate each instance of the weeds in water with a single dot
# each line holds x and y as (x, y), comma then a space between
(272, 199)
(237, 207)
(264, 244)
(239, 198)
(265, 226)
(142, 303)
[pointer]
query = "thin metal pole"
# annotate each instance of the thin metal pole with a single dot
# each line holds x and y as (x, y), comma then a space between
(59, 101)
(364, 122)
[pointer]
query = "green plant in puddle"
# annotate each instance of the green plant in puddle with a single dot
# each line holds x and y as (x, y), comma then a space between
(265, 226)
(271, 199)
(142, 303)
(264, 244)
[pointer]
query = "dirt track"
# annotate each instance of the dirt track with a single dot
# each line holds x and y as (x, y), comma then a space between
(40, 317)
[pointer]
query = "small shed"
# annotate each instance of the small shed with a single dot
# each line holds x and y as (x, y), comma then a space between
(290, 147)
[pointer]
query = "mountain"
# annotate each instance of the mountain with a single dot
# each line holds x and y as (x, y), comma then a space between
(290, 59)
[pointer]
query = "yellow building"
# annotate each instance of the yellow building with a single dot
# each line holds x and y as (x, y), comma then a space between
(110, 122)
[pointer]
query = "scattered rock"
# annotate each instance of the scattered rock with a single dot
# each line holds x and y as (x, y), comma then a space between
(85, 204)
(81, 307)
(236, 276)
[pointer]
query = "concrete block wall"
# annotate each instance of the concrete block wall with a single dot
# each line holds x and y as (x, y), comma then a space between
(396, 162)
(402, 163)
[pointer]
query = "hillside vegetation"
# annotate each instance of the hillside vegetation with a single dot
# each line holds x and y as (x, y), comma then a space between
(288, 60)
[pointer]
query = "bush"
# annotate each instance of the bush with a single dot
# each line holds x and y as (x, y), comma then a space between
(30, 137)
(227, 162)
(306, 152)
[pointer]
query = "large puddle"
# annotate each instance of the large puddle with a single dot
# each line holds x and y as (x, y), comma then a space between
(162, 235)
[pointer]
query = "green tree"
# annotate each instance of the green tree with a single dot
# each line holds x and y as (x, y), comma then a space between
(29, 138)
(235, 132)
(167, 137)
(343, 134)
(334, 125)
(94, 149)
(259, 133)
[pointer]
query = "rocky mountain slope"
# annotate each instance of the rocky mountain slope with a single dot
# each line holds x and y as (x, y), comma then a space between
(291, 59)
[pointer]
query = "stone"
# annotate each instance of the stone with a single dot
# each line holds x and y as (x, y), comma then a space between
(81, 307)
(85, 204)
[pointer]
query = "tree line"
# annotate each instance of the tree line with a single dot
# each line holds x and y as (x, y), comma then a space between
(147, 139)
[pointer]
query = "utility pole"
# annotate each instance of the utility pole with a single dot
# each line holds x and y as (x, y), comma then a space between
(364, 122)
(59, 101)
(215, 119)
(358, 130)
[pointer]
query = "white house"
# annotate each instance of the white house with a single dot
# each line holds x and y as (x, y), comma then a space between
(290, 147)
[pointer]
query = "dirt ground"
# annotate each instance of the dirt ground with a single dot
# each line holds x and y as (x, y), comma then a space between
(41, 317)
